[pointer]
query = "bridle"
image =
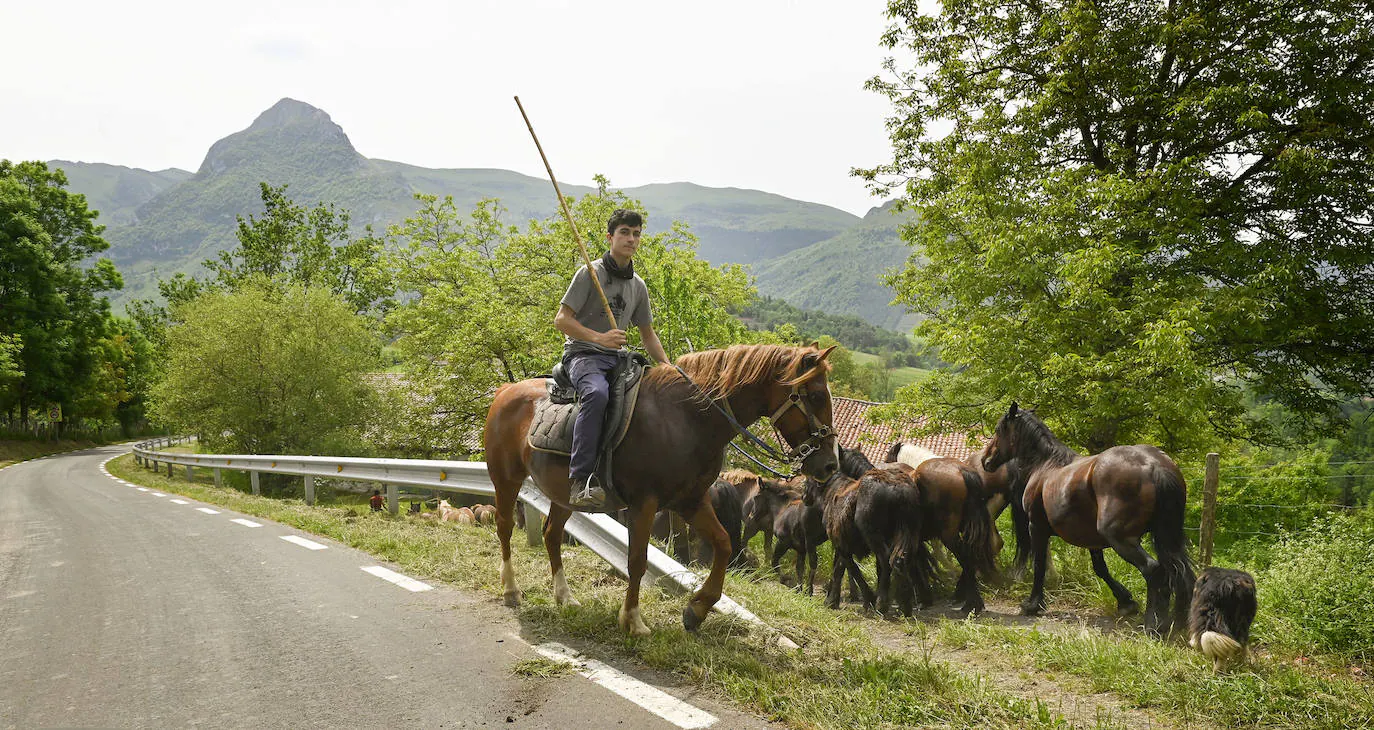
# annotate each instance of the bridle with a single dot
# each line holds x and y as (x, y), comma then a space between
(818, 433)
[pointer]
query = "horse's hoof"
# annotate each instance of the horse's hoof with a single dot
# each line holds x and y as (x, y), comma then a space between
(972, 609)
(513, 599)
(1124, 610)
(570, 602)
(1032, 609)
(690, 621)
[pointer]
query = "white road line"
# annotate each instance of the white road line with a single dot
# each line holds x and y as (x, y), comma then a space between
(180, 501)
(207, 510)
(159, 494)
(246, 523)
(647, 696)
(403, 581)
(307, 544)
(144, 489)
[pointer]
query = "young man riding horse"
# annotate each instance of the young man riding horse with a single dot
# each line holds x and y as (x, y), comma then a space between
(591, 343)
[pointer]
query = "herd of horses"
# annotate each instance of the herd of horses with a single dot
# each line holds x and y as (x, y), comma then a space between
(672, 455)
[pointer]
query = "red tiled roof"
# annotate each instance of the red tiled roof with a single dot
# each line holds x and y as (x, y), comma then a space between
(874, 439)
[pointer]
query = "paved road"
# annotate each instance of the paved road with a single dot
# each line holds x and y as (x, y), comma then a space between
(119, 608)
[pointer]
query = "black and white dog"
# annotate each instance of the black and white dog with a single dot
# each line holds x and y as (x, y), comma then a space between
(1223, 609)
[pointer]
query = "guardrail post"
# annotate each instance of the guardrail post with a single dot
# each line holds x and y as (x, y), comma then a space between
(190, 473)
(393, 497)
(1209, 508)
(310, 490)
(253, 477)
(154, 467)
(219, 480)
(534, 523)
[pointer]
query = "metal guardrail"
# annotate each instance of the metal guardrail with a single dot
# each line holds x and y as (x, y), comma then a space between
(598, 532)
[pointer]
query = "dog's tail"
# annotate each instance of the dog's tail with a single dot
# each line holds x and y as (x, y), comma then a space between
(1218, 647)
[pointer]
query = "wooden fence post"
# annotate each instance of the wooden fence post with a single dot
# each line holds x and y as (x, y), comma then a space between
(253, 477)
(393, 499)
(219, 480)
(1209, 507)
(310, 490)
(190, 473)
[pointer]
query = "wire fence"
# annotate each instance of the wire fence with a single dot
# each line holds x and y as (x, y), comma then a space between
(1277, 500)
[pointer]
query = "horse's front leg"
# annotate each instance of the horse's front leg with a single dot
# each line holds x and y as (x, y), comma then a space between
(641, 525)
(553, 544)
(1040, 553)
(708, 527)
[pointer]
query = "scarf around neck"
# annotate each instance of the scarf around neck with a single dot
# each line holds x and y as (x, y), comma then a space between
(612, 268)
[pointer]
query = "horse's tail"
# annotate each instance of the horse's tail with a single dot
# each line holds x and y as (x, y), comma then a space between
(910, 557)
(975, 525)
(1166, 530)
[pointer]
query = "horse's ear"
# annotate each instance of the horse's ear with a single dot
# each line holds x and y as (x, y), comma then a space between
(1013, 410)
(825, 352)
(815, 344)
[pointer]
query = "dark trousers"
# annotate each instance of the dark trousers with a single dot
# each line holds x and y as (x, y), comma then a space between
(590, 374)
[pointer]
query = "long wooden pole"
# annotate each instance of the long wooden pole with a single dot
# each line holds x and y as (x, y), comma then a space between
(1208, 532)
(596, 281)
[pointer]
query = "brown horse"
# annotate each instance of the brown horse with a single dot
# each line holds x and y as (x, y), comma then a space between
(1106, 500)
(670, 456)
(955, 511)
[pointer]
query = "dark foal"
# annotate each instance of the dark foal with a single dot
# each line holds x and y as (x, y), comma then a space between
(762, 508)
(1223, 608)
(799, 527)
(670, 528)
(878, 514)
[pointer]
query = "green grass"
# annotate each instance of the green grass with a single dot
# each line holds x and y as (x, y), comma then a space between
(1267, 693)
(900, 376)
(541, 668)
(842, 679)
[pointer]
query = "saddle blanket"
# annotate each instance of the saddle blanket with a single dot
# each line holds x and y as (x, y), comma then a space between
(552, 426)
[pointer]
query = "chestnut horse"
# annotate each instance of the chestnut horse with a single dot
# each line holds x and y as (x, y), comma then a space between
(1105, 500)
(670, 455)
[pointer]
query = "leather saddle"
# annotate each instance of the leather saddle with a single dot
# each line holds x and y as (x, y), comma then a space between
(552, 425)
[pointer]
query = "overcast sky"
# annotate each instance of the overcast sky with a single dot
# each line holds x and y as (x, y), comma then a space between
(761, 94)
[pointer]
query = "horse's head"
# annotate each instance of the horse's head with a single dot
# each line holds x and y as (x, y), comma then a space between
(799, 402)
(816, 489)
(1004, 444)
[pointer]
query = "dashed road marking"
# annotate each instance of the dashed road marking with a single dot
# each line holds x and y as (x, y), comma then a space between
(207, 510)
(307, 544)
(403, 581)
(144, 489)
(647, 696)
(180, 501)
(246, 523)
(159, 494)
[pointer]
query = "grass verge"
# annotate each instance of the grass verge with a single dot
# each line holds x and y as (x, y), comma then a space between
(15, 451)
(842, 679)
(1148, 673)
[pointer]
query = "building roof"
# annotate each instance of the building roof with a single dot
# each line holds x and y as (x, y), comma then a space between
(850, 417)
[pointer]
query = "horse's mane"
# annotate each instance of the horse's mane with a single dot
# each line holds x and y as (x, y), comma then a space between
(1039, 441)
(720, 373)
(738, 476)
(854, 463)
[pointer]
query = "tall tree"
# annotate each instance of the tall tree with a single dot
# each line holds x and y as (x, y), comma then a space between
(262, 370)
(51, 303)
(298, 247)
(1131, 209)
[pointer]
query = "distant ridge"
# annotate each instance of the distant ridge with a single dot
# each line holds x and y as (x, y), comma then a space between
(160, 223)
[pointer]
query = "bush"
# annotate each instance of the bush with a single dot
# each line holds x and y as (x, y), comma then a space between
(1315, 594)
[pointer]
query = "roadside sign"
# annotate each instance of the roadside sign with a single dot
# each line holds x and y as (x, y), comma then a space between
(55, 413)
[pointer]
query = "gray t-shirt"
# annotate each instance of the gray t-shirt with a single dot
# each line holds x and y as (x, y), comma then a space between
(629, 300)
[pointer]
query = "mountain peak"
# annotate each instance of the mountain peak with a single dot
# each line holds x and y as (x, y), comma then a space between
(290, 137)
(288, 112)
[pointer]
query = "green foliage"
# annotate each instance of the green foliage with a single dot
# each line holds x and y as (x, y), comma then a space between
(268, 371)
(1138, 207)
(54, 321)
(1316, 593)
(482, 296)
(293, 246)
